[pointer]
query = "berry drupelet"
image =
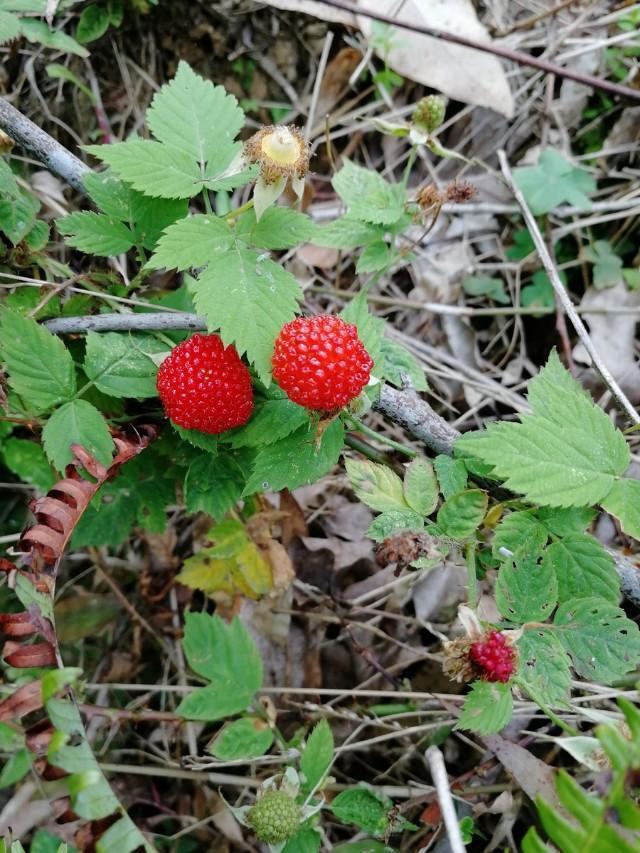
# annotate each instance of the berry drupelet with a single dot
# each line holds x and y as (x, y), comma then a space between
(494, 657)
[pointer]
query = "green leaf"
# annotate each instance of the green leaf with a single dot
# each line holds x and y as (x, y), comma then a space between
(565, 521)
(370, 328)
(226, 655)
(566, 454)
(375, 257)
(281, 228)
(363, 808)
(603, 644)
(421, 486)
(191, 242)
(368, 196)
(96, 234)
(392, 522)
(39, 32)
(109, 193)
(213, 484)
(452, 475)
(461, 515)
(151, 167)
(519, 532)
(9, 27)
(18, 214)
(249, 737)
(526, 591)
(540, 292)
(317, 756)
(151, 216)
(477, 285)
(40, 368)
(632, 278)
(623, 501)
(271, 422)
(347, 233)
(296, 460)
(46, 842)
(607, 266)
(93, 23)
(123, 836)
(120, 363)
(248, 298)
(307, 840)
(27, 460)
(196, 118)
(376, 485)
(201, 440)
(60, 72)
(544, 666)
(80, 423)
(554, 181)
(583, 568)
(487, 708)
(398, 360)
(18, 764)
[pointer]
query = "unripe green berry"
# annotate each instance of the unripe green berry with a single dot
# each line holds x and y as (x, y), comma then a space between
(275, 817)
(429, 113)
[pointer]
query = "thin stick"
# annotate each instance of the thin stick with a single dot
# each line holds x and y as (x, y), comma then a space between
(44, 148)
(441, 781)
(490, 47)
(563, 296)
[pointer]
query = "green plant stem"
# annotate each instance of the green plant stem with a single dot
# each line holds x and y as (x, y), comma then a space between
(362, 447)
(207, 201)
(527, 688)
(371, 433)
(411, 159)
(233, 214)
(472, 580)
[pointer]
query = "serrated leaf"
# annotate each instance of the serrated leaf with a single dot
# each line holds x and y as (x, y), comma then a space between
(317, 756)
(487, 708)
(370, 328)
(191, 243)
(9, 27)
(554, 181)
(544, 666)
(566, 454)
(119, 363)
(77, 422)
(296, 460)
(281, 228)
(363, 808)
(394, 521)
(195, 117)
(461, 515)
(151, 216)
(421, 486)
(93, 23)
(151, 167)
(248, 298)
(96, 234)
(396, 360)
(565, 521)
(376, 485)
(27, 460)
(347, 233)
(40, 368)
(375, 257)
(607, 266)
(583, 568)
(603, 644)
(306, 840)
(519, 532)
(213, 484)
(201, 440)
(18, 215)
(247, 738)
(272, 421)
(368, 196)
(539, 293)
(526, 591)
(623, 501)
(451, 473)
(109, 193)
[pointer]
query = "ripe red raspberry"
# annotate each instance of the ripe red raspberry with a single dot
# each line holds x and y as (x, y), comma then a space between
(204, 386)
(320, 362)
(494, 657)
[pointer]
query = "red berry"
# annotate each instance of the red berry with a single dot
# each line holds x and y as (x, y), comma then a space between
(204, 386)
(320, 362)
(494, 657)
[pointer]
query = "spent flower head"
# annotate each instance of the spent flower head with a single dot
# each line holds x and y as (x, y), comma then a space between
(283, 155)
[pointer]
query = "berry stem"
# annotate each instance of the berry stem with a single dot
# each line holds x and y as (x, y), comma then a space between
(383, 439)
(233, 214)
(472, 579)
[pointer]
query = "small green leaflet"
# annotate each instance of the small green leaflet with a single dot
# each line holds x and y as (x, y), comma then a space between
(421, 486)
(213, 484)
(623, 501)
(96, 233)
(603, 644)
(607, 266)
(281, 228)
(347, 233)
(9, 27)
(582, 568)
(40, 367)
(539, 293)
(487, 708)
(368, 196)
(554, 181)
(364, 808)
(272, 421)
(191, 243)
(27, 460)
(40, 33)
(452, 475)
(225, 655)
(249, 737)
(477, 285)
(249, 298)
(317, 756)
(80, 423)
(296, 460)
(375, 257)
(544, 666)
(370, 328)
(526, 591)
(120, 364)
(376, 485)
(566, 454)
(396, 361)
(392, 522)
(461, 515)
(18, 764)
